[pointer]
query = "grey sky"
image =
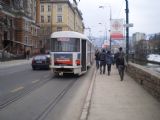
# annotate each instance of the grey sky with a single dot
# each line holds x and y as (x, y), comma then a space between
(144, 14)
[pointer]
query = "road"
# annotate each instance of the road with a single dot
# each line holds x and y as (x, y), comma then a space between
(37, 95)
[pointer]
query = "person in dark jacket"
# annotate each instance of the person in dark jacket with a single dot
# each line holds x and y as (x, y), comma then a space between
(109, 61)
(97, 58)
(121, 63)
(103, 61)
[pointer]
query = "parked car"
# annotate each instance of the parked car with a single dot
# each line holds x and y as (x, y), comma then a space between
(41, 62)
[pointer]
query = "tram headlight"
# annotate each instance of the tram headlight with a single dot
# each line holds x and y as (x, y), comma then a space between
(78, 62)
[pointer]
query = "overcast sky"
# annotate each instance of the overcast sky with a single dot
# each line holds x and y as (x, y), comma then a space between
(144, 14)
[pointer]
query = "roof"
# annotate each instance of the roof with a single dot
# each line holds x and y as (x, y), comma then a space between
(69, 34)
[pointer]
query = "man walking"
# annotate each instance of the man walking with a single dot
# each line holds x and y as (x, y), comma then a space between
(121, 62)
(103, 61)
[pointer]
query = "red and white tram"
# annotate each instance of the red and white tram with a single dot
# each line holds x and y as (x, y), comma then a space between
(71, 52)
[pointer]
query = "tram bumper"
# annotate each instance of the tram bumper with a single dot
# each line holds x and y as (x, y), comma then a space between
(63, 69)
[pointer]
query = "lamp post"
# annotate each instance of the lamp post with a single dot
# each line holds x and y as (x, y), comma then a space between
(127, 31)
(105, 29)
(110, 18)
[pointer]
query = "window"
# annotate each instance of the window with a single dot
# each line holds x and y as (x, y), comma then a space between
(26, 25)
(65, 45)
(26, 40)
(59, 8)
(59, 18)
(49, 8)
(42, 8)
(59, 28)
(49, 19)
(42, 19)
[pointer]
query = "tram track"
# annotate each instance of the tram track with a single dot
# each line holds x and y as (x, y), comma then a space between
(12, 97)
(52, 101)
(50, 106)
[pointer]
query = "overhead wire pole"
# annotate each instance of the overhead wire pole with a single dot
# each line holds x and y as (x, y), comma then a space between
(127, 31)
(110, 23)
(110, 28)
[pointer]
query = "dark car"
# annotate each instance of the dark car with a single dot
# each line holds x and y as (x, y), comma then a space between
(41, 62)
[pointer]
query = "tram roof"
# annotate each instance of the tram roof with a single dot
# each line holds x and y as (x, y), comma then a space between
(70, 34)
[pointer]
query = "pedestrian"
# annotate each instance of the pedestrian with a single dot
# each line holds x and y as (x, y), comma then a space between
(97, 58)
(121, 63)
(102, 61)
(109, 61)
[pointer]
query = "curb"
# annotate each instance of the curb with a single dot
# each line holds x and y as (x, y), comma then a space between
(86, 107)
(13, 63)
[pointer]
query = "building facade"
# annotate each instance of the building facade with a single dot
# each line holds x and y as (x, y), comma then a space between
(18, 26)
(59, 15)
(138, 36)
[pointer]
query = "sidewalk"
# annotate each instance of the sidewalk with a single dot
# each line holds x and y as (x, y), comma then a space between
(113, 99)
(6, 64)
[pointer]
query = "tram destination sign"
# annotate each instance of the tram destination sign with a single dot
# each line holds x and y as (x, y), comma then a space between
(63, 39)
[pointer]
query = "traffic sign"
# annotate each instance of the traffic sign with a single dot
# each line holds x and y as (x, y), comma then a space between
(128, 25)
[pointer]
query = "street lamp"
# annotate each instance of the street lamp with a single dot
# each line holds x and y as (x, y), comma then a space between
(109, 19)
(105, 29)
(127, 31)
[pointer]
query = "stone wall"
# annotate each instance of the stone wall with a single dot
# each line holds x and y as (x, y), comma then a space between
(148, 78)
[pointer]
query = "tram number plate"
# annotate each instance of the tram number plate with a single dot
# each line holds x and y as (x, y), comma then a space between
(39, 62)
(62, 66)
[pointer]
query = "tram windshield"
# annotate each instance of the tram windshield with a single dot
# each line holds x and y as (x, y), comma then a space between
(65, 45)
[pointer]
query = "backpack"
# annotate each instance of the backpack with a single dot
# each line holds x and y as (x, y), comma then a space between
(97, 55)
(120, 58)
(102, 57)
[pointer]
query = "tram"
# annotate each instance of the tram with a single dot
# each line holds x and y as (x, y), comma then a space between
(71, 52)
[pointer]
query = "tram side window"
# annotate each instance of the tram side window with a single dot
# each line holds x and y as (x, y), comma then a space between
(65, 45)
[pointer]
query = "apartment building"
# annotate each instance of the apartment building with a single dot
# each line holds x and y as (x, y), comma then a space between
(59, 15)
(138, 36)
(18, 26)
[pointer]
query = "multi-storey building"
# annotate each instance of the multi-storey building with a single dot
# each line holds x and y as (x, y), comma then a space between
(59, 15)
(138, 36)
(18, 27)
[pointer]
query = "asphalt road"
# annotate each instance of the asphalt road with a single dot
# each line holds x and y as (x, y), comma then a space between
(37, 95)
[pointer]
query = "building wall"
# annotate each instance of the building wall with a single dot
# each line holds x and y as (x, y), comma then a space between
(138, 36)
(78, 22)
(71, 19)
(18, 31)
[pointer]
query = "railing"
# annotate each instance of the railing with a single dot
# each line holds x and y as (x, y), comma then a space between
(6, 56)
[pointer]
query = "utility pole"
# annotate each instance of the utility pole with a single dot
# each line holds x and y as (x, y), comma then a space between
(127, 31)
(110, 40)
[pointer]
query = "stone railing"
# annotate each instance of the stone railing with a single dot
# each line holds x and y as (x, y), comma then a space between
(149, 79)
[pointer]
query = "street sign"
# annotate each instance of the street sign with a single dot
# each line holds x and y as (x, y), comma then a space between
(128, 25)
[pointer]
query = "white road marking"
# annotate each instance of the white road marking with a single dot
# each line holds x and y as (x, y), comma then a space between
(17, 89)
(35, 81)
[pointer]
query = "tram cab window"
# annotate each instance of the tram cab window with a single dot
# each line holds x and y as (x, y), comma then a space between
(65, 45)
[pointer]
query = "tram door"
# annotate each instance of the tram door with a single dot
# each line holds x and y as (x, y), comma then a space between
(83, 57)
